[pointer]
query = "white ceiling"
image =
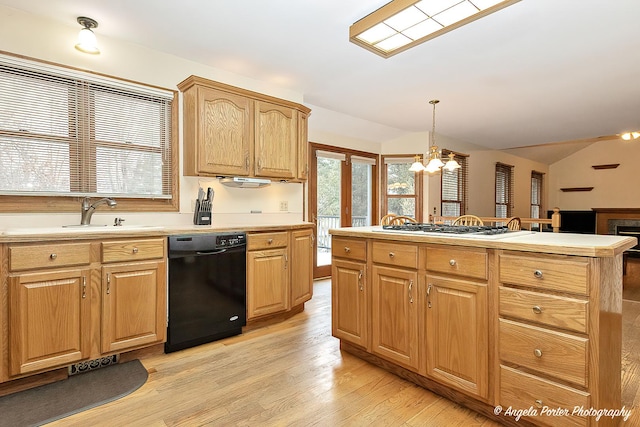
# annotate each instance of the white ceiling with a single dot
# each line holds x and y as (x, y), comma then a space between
(536, 72)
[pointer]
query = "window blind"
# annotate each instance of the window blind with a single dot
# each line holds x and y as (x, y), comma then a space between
(68, 133)
(454, 187)
(536, 194)
(504, 190)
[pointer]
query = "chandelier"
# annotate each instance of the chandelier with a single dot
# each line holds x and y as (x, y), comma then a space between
(434, 163)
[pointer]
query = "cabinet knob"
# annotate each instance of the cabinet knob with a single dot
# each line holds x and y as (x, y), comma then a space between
(537, 309)
(134, 250)
(391, 254)
(53, 256)
(452, 262)
(539, 403)
(538, 274)
(347, 249)
(537, 352)
(270, 241)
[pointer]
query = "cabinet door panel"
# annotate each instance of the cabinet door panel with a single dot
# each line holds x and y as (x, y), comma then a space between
(133, 305)
(395, 315)
(49, 320)
(349, 312)
(276, 135)
(267, 281)
(225, 132)
(457, 334)
(302, 266)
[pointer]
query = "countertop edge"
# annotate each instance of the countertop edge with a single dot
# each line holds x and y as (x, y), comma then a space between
(619, 245)
(109, 233)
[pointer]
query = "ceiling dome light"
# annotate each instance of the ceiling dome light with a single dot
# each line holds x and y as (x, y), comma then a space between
(86, 38)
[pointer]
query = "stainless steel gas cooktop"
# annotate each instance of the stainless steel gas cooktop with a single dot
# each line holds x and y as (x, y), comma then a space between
(466, 231)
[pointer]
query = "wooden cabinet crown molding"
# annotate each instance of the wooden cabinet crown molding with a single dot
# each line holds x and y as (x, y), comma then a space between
(200, 81)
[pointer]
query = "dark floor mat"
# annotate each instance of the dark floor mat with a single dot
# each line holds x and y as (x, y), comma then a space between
(57, 400)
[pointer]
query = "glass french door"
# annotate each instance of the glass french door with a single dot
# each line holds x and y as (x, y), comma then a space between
(342, 190)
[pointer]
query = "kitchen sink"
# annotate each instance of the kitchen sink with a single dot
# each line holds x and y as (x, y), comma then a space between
(79, 229)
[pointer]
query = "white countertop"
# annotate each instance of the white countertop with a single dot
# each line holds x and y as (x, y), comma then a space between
(594, 245)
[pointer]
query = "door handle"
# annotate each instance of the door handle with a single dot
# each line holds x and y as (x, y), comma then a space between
(108, 283)
(411, 291)
(360, 285)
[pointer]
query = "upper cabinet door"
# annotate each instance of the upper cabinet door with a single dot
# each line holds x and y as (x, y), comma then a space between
(276, 136)
(303, 147)
(224, 141)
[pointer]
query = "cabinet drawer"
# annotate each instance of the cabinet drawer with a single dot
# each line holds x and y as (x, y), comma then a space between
(563, 275)
(349, 248)
(395, 254)
(558, 311)
(461, 261)
(259, 241)
(554, 353)
(523, 391)
(45, 256)
(132, 250)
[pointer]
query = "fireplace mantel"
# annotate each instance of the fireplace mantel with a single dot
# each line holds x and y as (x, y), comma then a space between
(603, 215)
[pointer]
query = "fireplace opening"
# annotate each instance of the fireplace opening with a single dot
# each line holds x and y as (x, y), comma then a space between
(630, 231)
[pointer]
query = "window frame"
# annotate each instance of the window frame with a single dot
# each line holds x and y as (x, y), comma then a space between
(537, 176)
(418, 181)
(71, 203)
(463, 175)
(507, 170)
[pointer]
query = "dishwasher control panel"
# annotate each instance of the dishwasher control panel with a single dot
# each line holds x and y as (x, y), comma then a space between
(226, 240)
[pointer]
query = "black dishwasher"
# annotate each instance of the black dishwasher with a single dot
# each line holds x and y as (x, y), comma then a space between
(207, 288)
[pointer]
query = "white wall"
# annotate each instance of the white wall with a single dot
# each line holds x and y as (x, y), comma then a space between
(52, 41)
(482, 169)
(612, 188)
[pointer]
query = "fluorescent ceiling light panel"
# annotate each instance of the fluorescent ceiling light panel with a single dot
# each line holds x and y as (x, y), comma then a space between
(456, 13)
(402, 24)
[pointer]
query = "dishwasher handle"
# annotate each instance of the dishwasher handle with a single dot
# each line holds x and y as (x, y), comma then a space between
(211, 252)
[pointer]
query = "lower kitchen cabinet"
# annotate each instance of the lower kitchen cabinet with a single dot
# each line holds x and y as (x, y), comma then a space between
(133, 305)
(267, 282)
(49, 321)
(349, 307)
(394, 330)
(301, 266)
(457, 337)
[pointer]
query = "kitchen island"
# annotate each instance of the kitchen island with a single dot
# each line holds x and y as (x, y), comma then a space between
(522, 324)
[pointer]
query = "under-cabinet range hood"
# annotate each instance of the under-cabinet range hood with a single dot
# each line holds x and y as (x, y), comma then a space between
(242, 182)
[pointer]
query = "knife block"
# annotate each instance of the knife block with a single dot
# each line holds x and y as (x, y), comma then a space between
(202, 213)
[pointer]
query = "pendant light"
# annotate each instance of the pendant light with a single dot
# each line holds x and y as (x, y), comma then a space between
(434, 163)
(86, 38)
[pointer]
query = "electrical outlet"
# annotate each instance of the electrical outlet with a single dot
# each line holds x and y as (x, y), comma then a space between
(284, 206)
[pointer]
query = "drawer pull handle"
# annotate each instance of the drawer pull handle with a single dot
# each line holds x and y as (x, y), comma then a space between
(391, 254)
(347, 249)
(538, 274)
(452, 262)
(270, 241)
(539, 403)
(537, 309)
(53, 256)
(537, 352)
(134, 250)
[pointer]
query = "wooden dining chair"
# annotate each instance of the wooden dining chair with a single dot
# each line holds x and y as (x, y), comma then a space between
(514, 223)
(387, 219)
(399, 220)
(468, 220)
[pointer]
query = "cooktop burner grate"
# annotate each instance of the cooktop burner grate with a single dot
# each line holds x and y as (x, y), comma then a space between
(448, 229)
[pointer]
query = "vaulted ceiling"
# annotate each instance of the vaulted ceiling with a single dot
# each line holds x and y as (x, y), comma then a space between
(537, 72)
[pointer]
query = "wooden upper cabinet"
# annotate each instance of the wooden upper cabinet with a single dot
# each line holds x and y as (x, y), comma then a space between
(275, 140)
(303, 146)
(231, 131)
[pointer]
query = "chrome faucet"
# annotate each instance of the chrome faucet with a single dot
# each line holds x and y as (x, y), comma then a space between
(87, 209)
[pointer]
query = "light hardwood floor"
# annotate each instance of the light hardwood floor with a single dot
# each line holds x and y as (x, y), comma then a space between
(294, 374)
